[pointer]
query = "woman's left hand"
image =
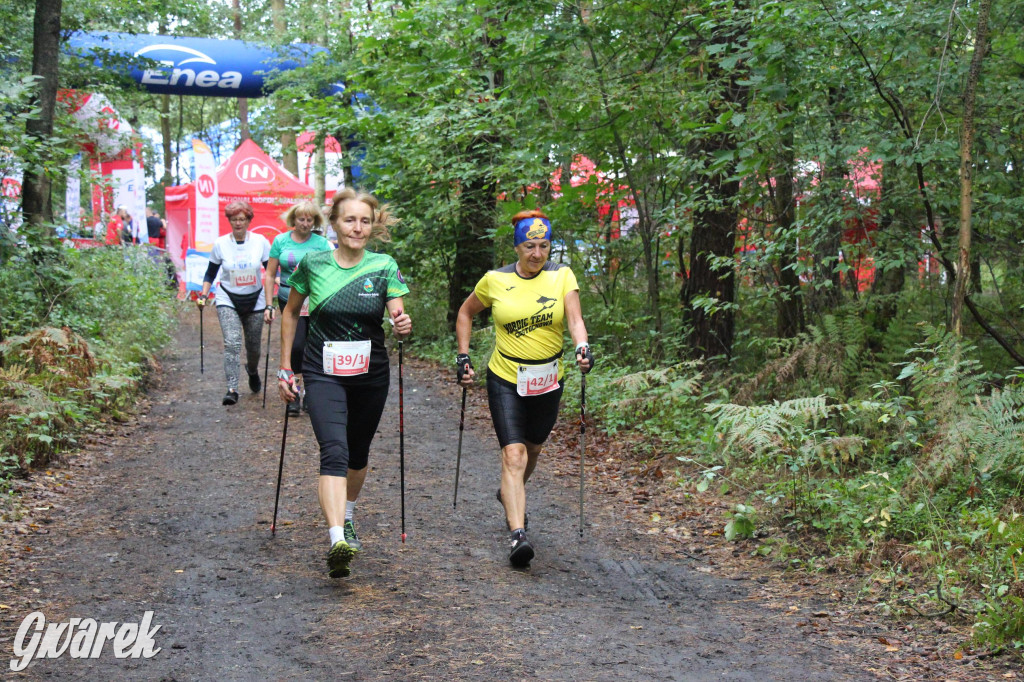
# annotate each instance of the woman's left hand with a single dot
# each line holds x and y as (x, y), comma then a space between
(402, 324)
(584, 358)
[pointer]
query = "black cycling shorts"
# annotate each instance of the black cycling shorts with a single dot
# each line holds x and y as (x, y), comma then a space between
(518, 419)
(344, 419)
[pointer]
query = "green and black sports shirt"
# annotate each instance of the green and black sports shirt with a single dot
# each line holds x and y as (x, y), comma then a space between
(348, 304)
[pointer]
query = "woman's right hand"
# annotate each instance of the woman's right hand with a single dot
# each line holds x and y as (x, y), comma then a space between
(464, 373)
(286, 387)
(269, 314)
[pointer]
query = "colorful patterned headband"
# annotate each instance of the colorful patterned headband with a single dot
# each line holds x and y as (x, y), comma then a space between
(531, 228)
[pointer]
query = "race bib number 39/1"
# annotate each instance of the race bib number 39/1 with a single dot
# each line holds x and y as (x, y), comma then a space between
(537, 379)
(244, 277)
(346, 358)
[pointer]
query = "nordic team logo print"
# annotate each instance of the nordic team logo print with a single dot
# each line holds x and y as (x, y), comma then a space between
(541, 318)
(368, 286)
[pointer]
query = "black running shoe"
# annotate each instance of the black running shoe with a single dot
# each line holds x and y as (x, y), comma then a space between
(350, 536)
(254, 383)
(293, 408)
(522, 550)
(526, 517)
(230, 398)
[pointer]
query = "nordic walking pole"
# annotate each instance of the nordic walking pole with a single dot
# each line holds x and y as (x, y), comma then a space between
(266, 364)
(583, 435)
(201, 338)
(280, 469)
(458, 455)
(401, 432)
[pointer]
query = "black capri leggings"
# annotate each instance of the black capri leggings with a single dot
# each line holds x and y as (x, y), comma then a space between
(345, 419)
(299, 342)
(518, 419)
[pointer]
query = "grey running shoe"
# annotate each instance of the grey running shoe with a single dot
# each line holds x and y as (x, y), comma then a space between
(230, 398)
(350, 536)
(522, 550)
(339, 558)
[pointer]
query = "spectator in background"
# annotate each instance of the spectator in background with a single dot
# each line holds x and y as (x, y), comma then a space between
(156, 227)
(136, 228)
(115, 229)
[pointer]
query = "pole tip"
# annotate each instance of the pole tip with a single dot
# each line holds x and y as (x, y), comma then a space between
(272, 529)
(403, 538)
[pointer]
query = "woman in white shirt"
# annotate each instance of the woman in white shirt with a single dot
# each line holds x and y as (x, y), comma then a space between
(235, 263)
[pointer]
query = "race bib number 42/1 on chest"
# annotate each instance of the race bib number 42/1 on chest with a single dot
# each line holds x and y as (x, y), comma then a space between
(537, 379)
(346, 358)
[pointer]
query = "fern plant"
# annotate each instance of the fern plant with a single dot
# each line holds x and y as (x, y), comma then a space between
(831, 355)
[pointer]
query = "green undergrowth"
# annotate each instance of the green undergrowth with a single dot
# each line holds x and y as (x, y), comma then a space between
(893, 454)
(78, 348)
(910, 465)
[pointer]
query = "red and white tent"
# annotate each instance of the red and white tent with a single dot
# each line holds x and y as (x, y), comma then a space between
(249, 175)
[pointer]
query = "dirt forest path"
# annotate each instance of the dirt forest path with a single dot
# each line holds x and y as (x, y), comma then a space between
(172, 514)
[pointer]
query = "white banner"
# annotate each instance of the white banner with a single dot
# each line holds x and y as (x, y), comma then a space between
(73, 195)
(122, 182)
(196, 264)
(207, 199)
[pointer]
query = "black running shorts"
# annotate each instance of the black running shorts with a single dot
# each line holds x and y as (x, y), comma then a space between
(517, 419)
(345, 419)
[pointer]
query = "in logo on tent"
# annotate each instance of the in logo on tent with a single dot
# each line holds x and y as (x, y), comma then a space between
(254, 172)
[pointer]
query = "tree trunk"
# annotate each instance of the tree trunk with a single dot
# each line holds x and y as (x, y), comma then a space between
(712, 277)
(320, 172)
(35, 198)
(243, 103)
(963, 271)
(788, 296)
(285, 118)
(714, 237)
(827, 285)
(890, 236)
(165, 138)
(474, 246)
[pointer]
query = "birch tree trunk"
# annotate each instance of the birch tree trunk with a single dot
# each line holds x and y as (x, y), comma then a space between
(963, 269)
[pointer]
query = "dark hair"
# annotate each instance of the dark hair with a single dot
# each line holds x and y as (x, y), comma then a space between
(382, 216)
(238, 208)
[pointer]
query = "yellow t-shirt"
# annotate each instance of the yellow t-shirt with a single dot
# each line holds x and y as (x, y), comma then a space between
(529, 315)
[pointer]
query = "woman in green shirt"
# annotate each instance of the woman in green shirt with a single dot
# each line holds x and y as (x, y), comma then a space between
(285, 253)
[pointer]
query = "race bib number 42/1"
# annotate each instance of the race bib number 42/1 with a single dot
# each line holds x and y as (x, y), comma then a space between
(244, 277)
(346, 358)
(537, 379)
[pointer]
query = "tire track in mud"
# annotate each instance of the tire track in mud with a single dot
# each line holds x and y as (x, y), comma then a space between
(175, 519)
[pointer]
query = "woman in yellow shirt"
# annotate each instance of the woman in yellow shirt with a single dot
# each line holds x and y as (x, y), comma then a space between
(531, 302)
